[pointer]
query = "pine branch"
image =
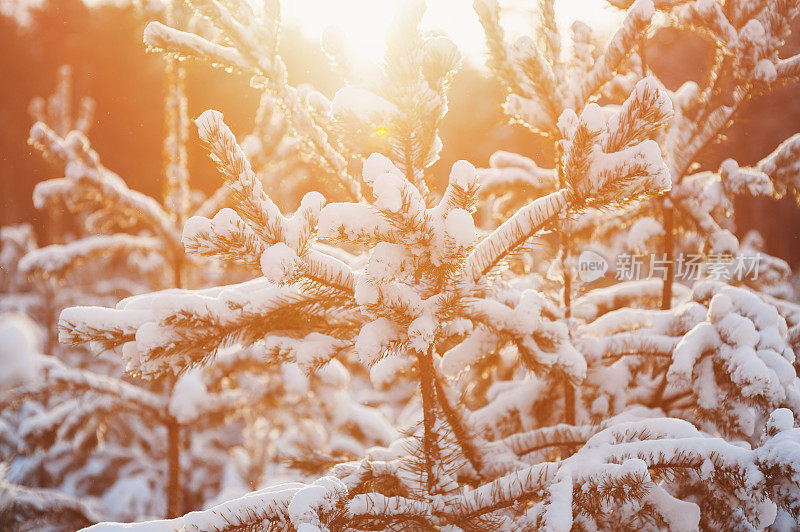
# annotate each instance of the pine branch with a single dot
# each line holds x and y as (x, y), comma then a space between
(507, 238)
(624, 40)
(186, 45)
(59, 260)
(24, 507)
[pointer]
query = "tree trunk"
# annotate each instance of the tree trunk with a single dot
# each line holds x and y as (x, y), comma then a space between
(669, 254)
(460, 431)
(174, 488)
(569, 390)
(173, 469)
(565, 241)
(569, 402)
(428, 393)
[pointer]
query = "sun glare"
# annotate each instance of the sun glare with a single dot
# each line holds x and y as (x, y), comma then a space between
(365, 22)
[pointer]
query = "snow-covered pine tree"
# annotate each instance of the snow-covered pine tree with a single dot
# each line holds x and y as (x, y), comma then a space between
(745, 39)
(542, 81)
(42, 300)
(23, 508)
(127, 243)
(535, 409)
(77, 401)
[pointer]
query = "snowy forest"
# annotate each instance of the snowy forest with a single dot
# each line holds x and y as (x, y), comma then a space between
(502, 265)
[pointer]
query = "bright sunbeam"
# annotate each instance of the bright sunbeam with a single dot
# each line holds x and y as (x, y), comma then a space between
(365, 22)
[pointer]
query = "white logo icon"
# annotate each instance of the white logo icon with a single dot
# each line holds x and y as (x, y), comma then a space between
(591, 266)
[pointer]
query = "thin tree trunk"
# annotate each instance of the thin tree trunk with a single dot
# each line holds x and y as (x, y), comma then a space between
(669, 254)
(428, 393)
(566, 272)
(174, 489)
(51, 321)
(173, 469)
(176, 201)
(460, 431)
(569, 390)
(569, 401)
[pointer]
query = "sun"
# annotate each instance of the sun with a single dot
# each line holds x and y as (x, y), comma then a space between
(365, 22)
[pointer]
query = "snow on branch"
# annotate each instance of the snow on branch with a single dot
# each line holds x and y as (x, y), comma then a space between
(398, 108)
(788, 70)
(277, 245)
(510, 172)
(269, 504)
(603, 162)
(513, 233)
(742, 343)
(251, 44)
(543, 343)
(59, 259)
(57, 376)
(174, 330)
(56, 110)
(90, 186)
(499, 54)
(22, 507)
(783, 167)
(635, 24)
(253, 202)
(540, 84)
(642, 115)
(183, 44)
